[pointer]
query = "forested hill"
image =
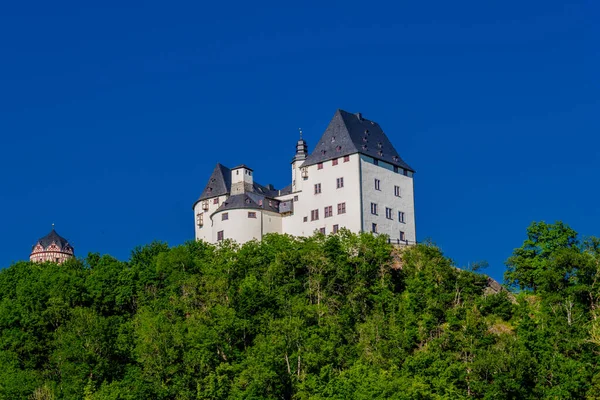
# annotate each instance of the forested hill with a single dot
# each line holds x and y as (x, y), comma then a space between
(327, 317)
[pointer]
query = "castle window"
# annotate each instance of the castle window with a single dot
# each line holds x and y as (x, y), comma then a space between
(405, 172)
(295, 198)
(377, 184)
(334, 161)
(237, 172)
(314, 215)
(328, 211)
(374, 208)
(402, 236)
(322, 230)
(224, 216)
(305, 219)
(220, 235)
(200, 219)
(336, 228)
(397, 191)
(339, 183)
(320, 165)
(251, 214)
(374, 227)
(341, 208)
(376, 161)
(317, 188)
(401, 216)
(346, 158)
(395, 168)
(388, 213)
(216, 201)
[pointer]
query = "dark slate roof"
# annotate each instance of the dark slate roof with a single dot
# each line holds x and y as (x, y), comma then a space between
(250, 201)
(53, 237)
(264, 190)
(286, 190)
(218, 184)
(353, 134)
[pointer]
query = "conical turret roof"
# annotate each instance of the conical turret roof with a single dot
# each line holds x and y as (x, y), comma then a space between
(55, 238)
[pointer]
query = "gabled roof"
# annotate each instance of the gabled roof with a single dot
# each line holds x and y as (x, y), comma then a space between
(53, 237)
(351, 133)
(218, 184)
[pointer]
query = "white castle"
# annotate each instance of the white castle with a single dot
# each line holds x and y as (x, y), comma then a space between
(353, 179)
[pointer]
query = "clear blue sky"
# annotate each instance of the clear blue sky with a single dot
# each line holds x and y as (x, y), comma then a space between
(112, 117)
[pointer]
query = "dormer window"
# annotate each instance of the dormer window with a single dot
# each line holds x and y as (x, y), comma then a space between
(323, 152)
(366, 131)
(364, 147)
(333, 139)
(339, 148)
(379, 145)
(380, 153)
(365, 139)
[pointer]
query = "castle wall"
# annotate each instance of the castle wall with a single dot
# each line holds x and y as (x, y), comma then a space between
(238, 226)
(330, 196)
(205, 232)
(386, 197)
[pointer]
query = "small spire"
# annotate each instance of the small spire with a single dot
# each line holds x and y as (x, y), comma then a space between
(53, 226)
(300, 129)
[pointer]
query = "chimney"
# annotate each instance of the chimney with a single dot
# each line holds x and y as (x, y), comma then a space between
(359, 116)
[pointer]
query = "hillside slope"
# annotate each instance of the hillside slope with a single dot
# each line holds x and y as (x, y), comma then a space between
(327, 317)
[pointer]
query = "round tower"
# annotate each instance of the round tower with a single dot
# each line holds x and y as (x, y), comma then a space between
(53, 248)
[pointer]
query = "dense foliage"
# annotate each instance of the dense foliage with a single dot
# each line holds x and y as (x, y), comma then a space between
(328, 317)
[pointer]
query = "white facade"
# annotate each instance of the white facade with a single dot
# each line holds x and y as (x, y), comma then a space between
(354, 179)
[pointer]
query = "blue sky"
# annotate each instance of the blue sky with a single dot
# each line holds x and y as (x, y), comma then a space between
(112, 117)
